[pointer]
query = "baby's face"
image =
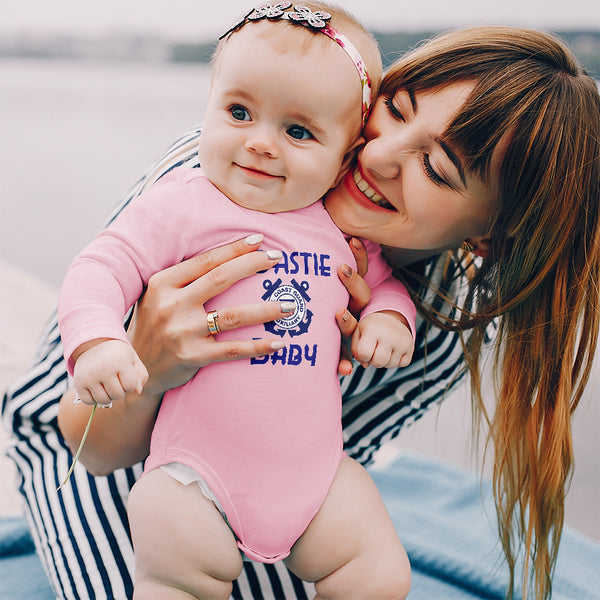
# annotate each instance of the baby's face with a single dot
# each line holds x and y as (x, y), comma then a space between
(282, 117)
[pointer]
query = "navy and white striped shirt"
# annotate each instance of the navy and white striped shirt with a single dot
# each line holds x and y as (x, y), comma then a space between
(82, 535)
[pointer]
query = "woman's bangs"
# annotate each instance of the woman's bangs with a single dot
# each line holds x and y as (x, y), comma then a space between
(479, 125)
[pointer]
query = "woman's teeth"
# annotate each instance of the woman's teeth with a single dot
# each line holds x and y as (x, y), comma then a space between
(369, 192)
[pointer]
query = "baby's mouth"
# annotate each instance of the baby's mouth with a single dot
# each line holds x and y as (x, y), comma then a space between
(369, 192)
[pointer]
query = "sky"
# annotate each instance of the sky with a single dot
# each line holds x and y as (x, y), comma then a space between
(204, 20)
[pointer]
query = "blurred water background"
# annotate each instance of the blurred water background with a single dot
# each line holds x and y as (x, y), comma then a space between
(91, 92)
(74, 136)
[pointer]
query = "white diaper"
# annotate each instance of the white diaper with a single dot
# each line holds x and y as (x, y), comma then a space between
(187, 475)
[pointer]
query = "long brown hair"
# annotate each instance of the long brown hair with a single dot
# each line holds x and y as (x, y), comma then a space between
(541, 276)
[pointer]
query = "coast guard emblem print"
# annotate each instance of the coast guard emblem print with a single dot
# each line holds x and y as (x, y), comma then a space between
(299, 321)
(295, 265)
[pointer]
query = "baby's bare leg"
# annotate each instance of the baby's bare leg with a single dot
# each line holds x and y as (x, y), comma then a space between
(183, 546)
(350, 549)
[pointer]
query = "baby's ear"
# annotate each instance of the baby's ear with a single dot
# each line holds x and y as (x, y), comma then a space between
(348, 158)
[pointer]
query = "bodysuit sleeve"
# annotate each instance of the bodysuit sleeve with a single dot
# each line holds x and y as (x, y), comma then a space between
(109, 275)
(387, 293)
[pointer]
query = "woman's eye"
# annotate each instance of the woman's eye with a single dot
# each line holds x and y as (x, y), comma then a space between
(239, 113)
(430, 172)
(393, 109)
(299, 133)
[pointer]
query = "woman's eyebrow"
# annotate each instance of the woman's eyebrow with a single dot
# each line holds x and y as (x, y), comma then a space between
(453, 158)
(413, 101)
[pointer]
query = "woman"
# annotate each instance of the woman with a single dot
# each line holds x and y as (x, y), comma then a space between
(513, 168)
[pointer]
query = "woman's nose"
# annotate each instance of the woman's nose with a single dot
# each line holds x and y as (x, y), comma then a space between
(262, 142)
(382, 158)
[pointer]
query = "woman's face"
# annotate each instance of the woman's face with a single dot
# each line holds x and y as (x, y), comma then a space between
(409, 188)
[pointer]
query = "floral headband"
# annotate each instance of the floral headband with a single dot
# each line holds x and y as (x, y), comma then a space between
(316, 21)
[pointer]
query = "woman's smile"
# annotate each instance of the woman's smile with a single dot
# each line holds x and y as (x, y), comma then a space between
(364, 194)
(363, 185)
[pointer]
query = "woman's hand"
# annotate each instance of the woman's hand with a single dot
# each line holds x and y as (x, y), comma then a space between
(169, 331)
(360, 294)
(169, 327)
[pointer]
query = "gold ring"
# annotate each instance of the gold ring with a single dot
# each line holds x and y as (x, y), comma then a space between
(212, 318)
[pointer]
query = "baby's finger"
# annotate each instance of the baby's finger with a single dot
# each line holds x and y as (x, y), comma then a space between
(129, 380)
(99, 394)
(405, 359)
(142, 374)
(85, 396)
(381, 357)
(113, 390)
(362, 350)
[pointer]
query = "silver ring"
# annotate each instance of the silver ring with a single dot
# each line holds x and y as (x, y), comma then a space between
(212, 318)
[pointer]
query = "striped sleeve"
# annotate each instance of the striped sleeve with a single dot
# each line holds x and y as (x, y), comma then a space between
(81, 534)
(379, 403)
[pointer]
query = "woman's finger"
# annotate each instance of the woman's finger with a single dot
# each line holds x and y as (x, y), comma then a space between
(359, 291)
(189, 270)
(223, 276)
(346, 322)
(360, 256)
(345, 366)
(252, 314)
(233, 350)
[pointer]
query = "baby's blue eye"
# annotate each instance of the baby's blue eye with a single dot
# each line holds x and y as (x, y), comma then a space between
(239, 113)
(299, 133)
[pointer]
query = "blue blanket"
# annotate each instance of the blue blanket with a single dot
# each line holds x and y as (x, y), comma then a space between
(21, 573)
(445, 518)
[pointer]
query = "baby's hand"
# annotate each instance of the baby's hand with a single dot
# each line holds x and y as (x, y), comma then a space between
(108, 370)
(383, 339)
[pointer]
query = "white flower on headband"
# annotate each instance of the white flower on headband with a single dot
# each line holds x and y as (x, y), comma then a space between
(271, 11)
(314, 19)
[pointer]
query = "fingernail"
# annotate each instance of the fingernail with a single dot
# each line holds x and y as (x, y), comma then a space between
(356, 243)
(274, 254)
(346, 270)
(255, 238)
(345, 316)
(277, 345)
(77, 400)
(288, 307)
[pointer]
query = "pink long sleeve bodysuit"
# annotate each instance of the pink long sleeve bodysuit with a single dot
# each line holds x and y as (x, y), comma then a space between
(265, 434)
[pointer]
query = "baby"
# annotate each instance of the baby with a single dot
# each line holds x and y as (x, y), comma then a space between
(260, 440)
